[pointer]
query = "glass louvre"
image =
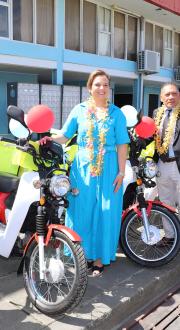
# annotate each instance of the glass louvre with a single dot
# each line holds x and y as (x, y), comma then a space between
(159, 41)
(177, 49)
(119, 35)
(149, 36)
(104, 31)
(4, 29)
(72, 24)
(89, 27)
(23, 20)
(45, 22)
(167, 48)
(167, 58)
(132, 39)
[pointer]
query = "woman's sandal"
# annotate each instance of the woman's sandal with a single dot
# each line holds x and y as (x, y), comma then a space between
(89, 265)
(97, 270)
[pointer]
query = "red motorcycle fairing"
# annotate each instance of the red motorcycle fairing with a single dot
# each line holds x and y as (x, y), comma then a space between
(156, 202)
(136, 209)
(3, 197)
(73, 236)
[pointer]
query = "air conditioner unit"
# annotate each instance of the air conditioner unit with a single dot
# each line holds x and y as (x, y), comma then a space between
(177, 73)
(148, 61)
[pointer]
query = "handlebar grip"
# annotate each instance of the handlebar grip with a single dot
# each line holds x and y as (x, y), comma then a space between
(4, 139)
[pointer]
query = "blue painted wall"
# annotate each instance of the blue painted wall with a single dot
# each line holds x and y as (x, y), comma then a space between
(29, 50)
(70, 56)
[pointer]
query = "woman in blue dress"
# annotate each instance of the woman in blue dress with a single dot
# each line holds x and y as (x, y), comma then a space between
(97, 172)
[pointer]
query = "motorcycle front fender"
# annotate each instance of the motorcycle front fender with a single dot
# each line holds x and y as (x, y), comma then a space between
(134, 207)
(137, 210)
(71, 234)
(156, 202)
(21, 265)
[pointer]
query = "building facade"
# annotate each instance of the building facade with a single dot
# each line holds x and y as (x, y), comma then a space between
(49, 47)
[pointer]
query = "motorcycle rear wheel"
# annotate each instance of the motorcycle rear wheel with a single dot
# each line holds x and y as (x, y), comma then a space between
(154, 254)
(65, 275)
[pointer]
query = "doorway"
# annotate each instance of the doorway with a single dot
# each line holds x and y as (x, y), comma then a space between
(123, 99)
(153, 103)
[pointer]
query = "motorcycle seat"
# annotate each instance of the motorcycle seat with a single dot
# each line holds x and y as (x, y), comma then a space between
(8, 182)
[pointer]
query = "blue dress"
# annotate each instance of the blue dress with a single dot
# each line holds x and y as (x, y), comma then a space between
(95, 213)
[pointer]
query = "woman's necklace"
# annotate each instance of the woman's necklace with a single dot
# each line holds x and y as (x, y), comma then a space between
(163, 145)
(100, 115)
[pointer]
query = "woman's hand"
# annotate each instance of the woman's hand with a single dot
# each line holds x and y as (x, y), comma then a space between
(118, 181)
(45, 139)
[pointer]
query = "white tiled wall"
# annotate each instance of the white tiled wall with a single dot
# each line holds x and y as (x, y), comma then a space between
(51, 96)
(28, 96)
(71, 97)
(85, 94)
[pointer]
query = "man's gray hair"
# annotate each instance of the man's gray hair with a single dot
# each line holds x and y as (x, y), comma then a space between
(169, 84)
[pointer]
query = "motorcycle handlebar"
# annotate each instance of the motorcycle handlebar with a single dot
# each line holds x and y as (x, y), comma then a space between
(26, 148)
(4, 139)
(20, 142)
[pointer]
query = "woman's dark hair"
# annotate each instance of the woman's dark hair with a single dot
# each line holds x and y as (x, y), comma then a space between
(93, 75)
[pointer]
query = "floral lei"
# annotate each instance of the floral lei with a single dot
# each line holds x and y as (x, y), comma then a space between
(162, 146)
(101, 115)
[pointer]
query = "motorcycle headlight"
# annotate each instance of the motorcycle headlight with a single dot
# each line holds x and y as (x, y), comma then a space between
(59, 185)
(150, 169)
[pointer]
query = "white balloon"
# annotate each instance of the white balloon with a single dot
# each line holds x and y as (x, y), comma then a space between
(17, 129)
(131, 115)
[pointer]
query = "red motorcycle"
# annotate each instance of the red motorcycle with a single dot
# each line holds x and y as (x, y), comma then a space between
(53, 263)
(144, 222)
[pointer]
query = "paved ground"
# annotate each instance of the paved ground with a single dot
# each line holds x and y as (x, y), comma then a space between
(109, 302)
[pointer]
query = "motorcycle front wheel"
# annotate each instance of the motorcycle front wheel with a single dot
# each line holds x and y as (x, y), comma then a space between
(154, 252)
(65, 279)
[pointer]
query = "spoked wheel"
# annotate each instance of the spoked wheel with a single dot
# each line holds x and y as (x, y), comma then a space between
(65, 275)
(157, 250)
